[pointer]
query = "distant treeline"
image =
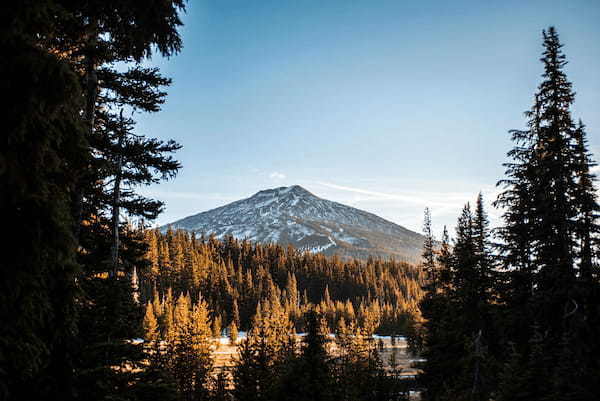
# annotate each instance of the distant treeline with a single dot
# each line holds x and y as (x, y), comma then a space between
(234, 277)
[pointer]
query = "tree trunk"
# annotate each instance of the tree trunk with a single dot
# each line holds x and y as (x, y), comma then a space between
(476, 375)
(91, 91)
(116, 199)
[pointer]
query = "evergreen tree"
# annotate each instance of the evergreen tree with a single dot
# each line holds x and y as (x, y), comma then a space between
(233, 333)
(309, 377)
(190, 356)
(429, 265)
(458, 313)
(131, 160)
(357, 371)
(444, 261)
(216, 326)
(547, 238)
(108, 366)
(441, 342)
(150, 324)
(236, 313)
(263, 355)
(97, 37)
(42, 149)
(537, 193)
(587, 206)
(54, 177)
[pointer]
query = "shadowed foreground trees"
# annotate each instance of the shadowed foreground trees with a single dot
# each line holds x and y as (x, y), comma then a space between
(523, 323)
(63, 303)
(41, 150)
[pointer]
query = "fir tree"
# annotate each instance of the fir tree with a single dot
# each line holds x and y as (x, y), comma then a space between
(233, 333)
(444, 261)
(429, 265)
(263, 355)
(150, 324)
(42, 149)
(549, 226)
(190, 356)
(309, 377)
(587, 206)
(216, 327)
(110, 366)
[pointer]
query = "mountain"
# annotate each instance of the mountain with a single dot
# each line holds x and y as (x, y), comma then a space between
(293, 215)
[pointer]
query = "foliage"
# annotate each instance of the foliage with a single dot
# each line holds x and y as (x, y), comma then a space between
(537, 296)
(235, 276)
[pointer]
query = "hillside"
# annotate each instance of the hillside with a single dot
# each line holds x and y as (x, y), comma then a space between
(294, 216)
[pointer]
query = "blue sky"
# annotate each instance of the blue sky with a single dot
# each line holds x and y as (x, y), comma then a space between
(388, 106)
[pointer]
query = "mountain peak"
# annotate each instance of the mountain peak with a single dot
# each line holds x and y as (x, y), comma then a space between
(282, 191)
(293, 215)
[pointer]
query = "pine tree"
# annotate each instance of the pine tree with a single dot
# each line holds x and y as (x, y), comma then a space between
(150, 324)
(264, 354)
(131, 160)
(94, 40)
(432, 286)
(110, 366)
(170, 329)
(544, 167)
(236, 313)
(201, 345)
(190, 357)
(216, 327)
(587, 206)
(54, 53)
(458, 314)
(485, 268)
(440, 341)
(233, 333)
(429, 265)
(357, 371)
(250, 373)
(444, 261)
(484, 345)
(309, 377)
(547, 238)
(42, 148)
(157, 308)
(464, 263)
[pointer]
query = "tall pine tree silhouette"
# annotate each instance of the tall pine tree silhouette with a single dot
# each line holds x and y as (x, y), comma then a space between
(547, 239)
(42, 149)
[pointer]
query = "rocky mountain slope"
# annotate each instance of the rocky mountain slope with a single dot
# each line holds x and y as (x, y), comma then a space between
(293, 215)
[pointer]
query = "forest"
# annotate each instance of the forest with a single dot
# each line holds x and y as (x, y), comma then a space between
(94, 306)
(234, 277)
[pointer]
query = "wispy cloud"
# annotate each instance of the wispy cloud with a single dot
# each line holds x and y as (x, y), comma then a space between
(277, 176)
(420, 198)
(405, 205)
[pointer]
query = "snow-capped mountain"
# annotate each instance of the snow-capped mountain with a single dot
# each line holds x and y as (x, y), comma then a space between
(292, 215)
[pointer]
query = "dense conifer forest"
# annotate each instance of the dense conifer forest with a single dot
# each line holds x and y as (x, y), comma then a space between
(235, 277)
(97, 307)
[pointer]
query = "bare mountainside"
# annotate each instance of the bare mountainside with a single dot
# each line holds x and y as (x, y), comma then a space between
(294, 216)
